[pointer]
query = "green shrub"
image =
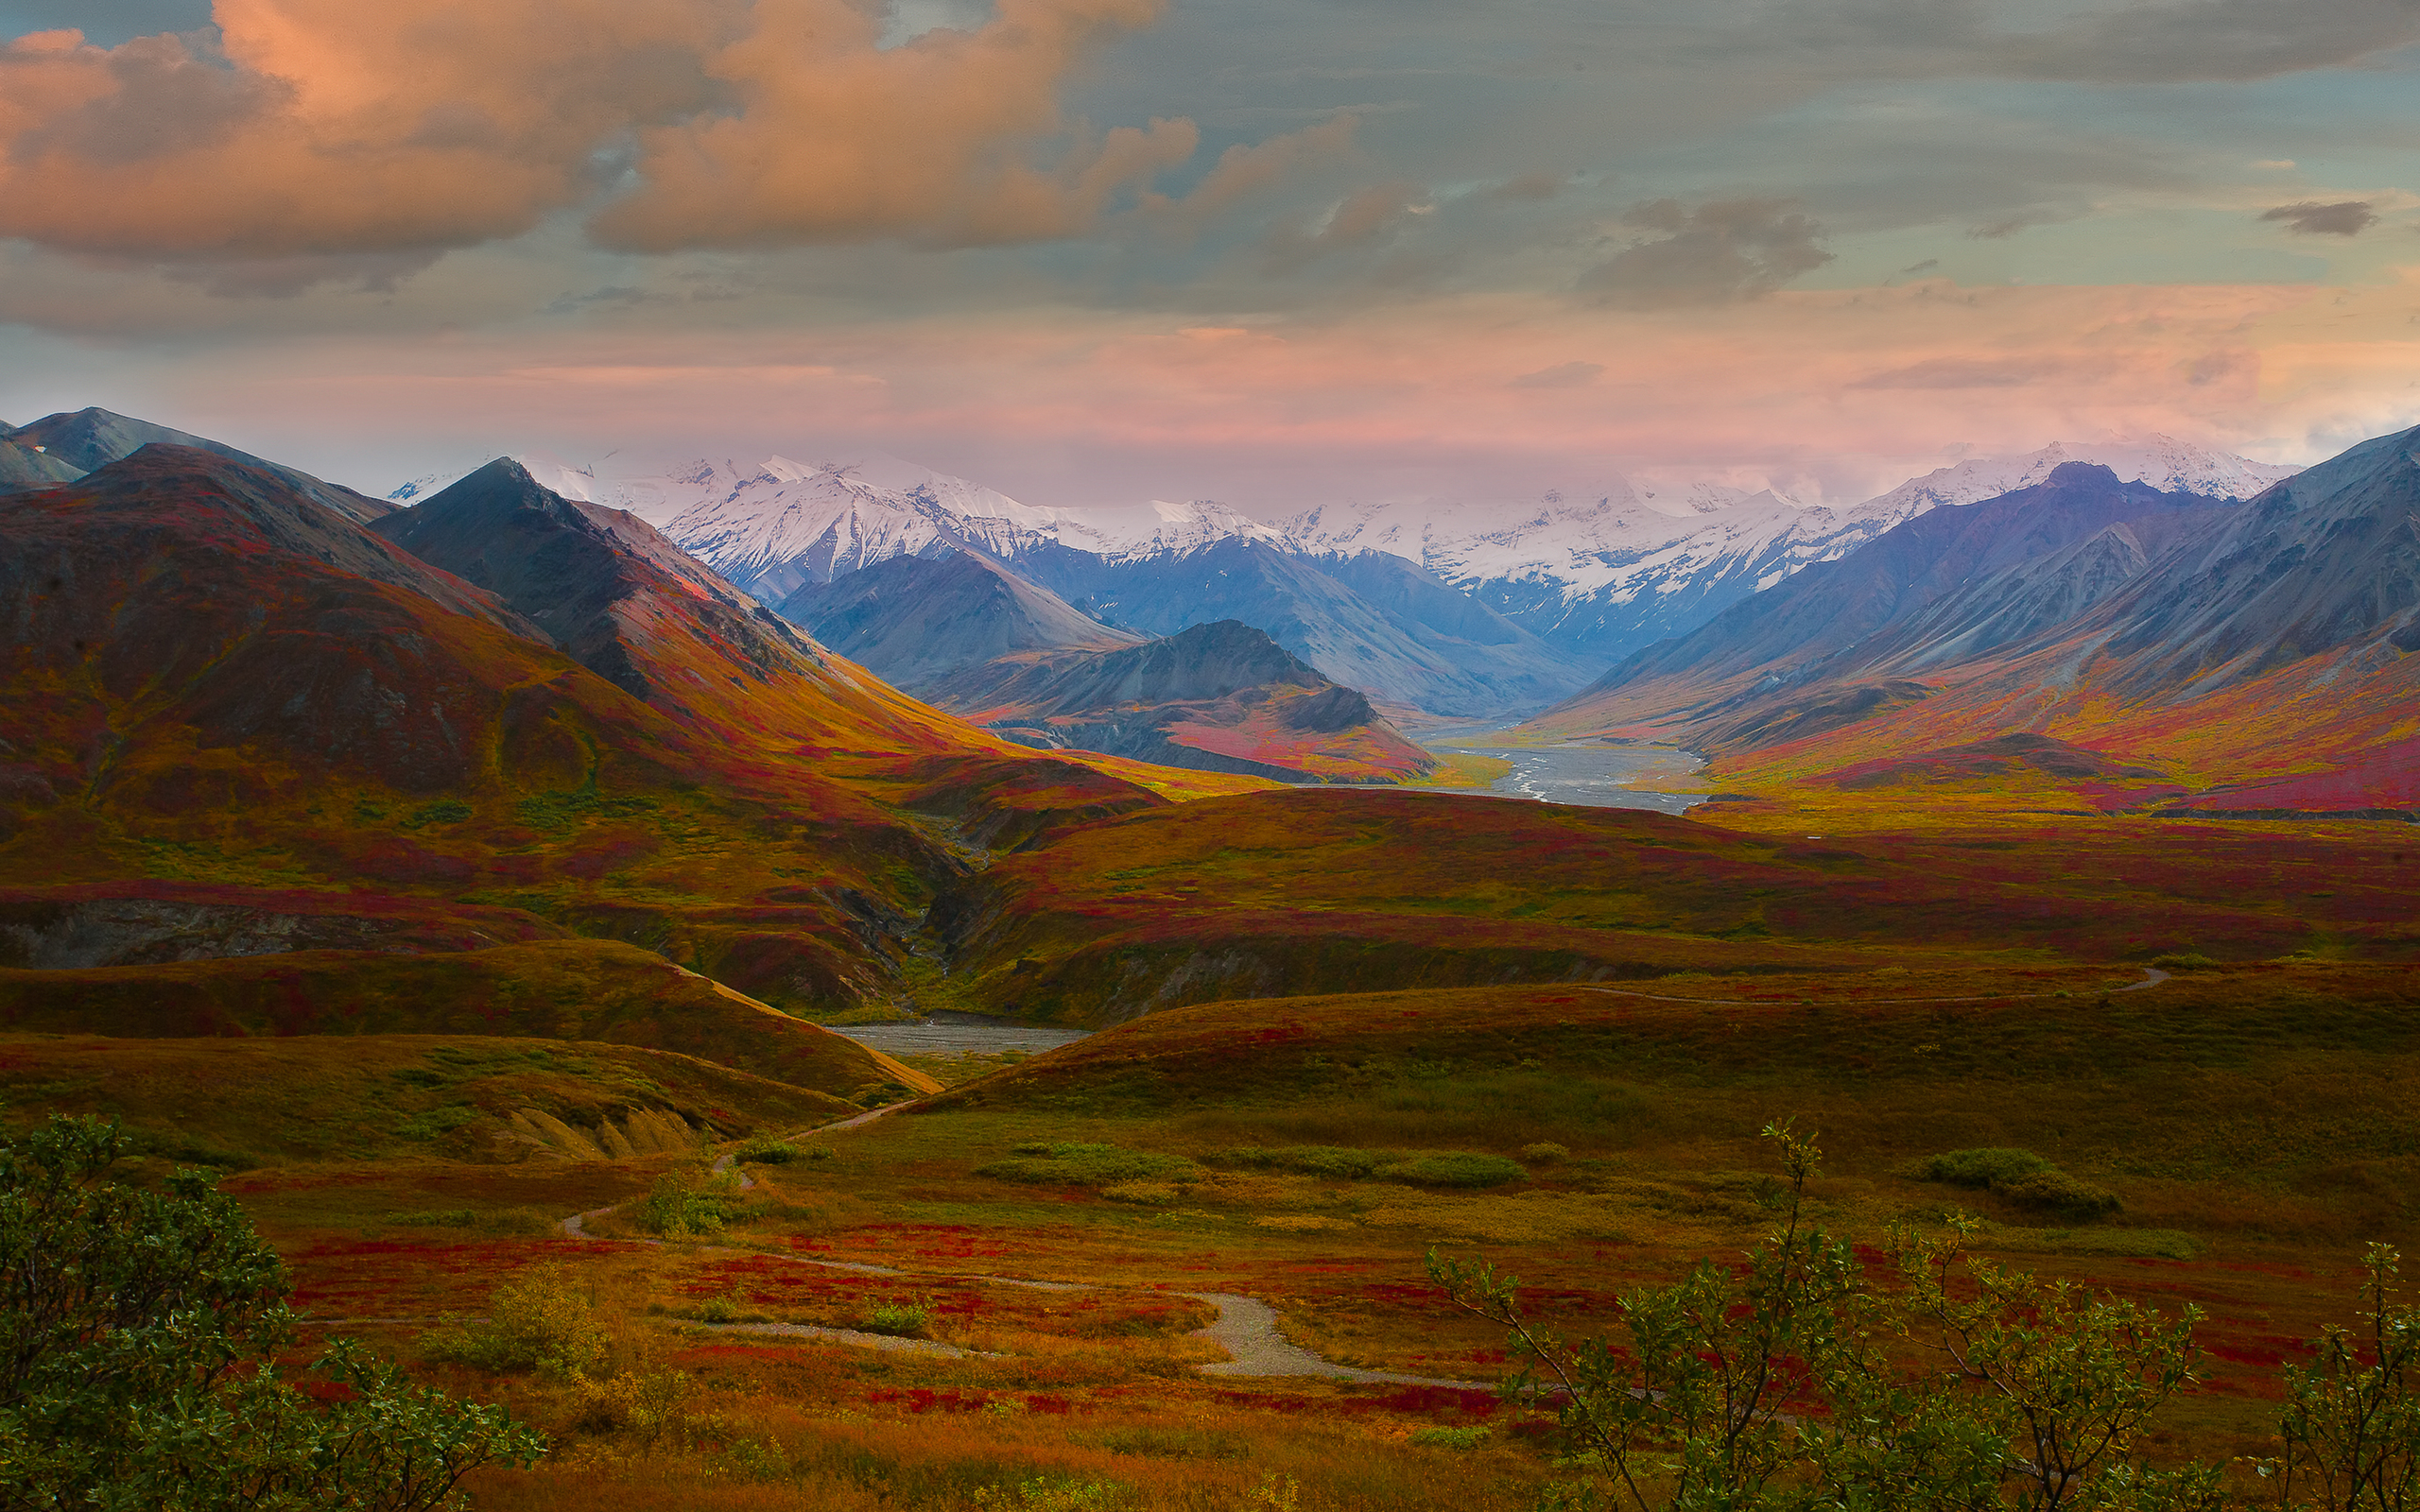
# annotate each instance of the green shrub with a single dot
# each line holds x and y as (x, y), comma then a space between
(688, 1204)
(2022, 1178)
(905, 1319)
(1088, 1165)
(1327, 1160)
(2055, 1190)
(1544, 1153)
(1984, 1168)
(2184, 961)
(766, 1150)
(538, 1321)
(144, 1330)
(1453, 1168)
(1466, 1439)
(1419, 1168)
(446, 1218)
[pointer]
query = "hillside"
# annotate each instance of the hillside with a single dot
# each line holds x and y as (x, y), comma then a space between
(1949, 585)
(87, 440)
(218, 681)
(2258, 652)
(914, 621)
(1370, 622)
(1219, 697)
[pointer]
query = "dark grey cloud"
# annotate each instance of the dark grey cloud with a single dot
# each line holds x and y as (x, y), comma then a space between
(1722, 251)
(2122, 41)
(2346, 217)
(2211, 40)
(282, 278)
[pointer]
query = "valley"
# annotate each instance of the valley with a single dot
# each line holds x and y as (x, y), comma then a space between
(964, 985)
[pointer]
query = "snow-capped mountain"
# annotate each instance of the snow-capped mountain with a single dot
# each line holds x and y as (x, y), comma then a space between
(1607, 570)
(1592, 573)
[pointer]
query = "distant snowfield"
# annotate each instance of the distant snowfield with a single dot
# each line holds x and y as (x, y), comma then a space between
(1599, 571)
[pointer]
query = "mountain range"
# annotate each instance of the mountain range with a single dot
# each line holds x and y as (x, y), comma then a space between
(63, 447)
(500, 722)
(966, 633)
(1462, 609)
(2202, 655)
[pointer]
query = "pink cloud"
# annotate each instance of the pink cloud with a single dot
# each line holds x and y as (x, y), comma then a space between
(325, 127)
(1088, 407)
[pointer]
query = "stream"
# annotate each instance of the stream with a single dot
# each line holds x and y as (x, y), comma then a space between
(1588, 773)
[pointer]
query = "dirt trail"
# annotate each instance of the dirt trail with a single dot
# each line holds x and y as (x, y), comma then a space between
(1245, 1326)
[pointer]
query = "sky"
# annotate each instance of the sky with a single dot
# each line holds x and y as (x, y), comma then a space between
(1279, 254)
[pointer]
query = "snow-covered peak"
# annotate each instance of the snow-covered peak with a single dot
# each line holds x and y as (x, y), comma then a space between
(2165, 463)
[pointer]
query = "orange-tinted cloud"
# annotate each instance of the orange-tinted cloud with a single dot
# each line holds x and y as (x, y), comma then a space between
(329, 126)
(835, 140)
(325, 127)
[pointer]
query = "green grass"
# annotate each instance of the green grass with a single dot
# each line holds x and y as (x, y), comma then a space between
(1086, 1165)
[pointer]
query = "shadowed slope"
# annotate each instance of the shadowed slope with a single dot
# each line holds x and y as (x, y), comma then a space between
(215, 680)
(1223, 696)
(2261, 653)
(89, 439)
(1954, 583)
(917, 620)
(1372, 622)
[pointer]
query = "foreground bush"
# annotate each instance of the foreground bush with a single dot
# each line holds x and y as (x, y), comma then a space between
(137, 1337)
(1796, 1384)
(537, 1322)
(688, 1204)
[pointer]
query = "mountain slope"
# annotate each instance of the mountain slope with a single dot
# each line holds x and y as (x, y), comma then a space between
(2254, 658)
(87, 440)
(1220, 697)
(1964, 577)
(1610, 569)
(1410, 640)
(915, 620)
(214, 678)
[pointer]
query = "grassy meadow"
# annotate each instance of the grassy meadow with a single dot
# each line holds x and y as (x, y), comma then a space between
(1547, 1037)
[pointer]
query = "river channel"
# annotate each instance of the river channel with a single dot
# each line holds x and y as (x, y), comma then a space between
(1581, 772)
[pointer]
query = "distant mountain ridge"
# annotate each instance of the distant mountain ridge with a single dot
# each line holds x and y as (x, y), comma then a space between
(915, 620)
(68, 445)
(1555, 587)
(2262, 652)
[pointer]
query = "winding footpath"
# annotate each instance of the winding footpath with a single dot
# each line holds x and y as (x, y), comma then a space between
(1245, 1326)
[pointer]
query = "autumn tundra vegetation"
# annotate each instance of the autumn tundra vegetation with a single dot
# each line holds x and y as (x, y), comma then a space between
(419, 977)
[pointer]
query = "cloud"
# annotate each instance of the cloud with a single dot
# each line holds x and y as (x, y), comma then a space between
(1531, 186)
(2347, 218)
(323, 128)
(1365, 217)
(1247, 169)
(1562, 375)
(942, 140)
(1720, 251)
(1964, 372)
(2239, 40)
(282, 278)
